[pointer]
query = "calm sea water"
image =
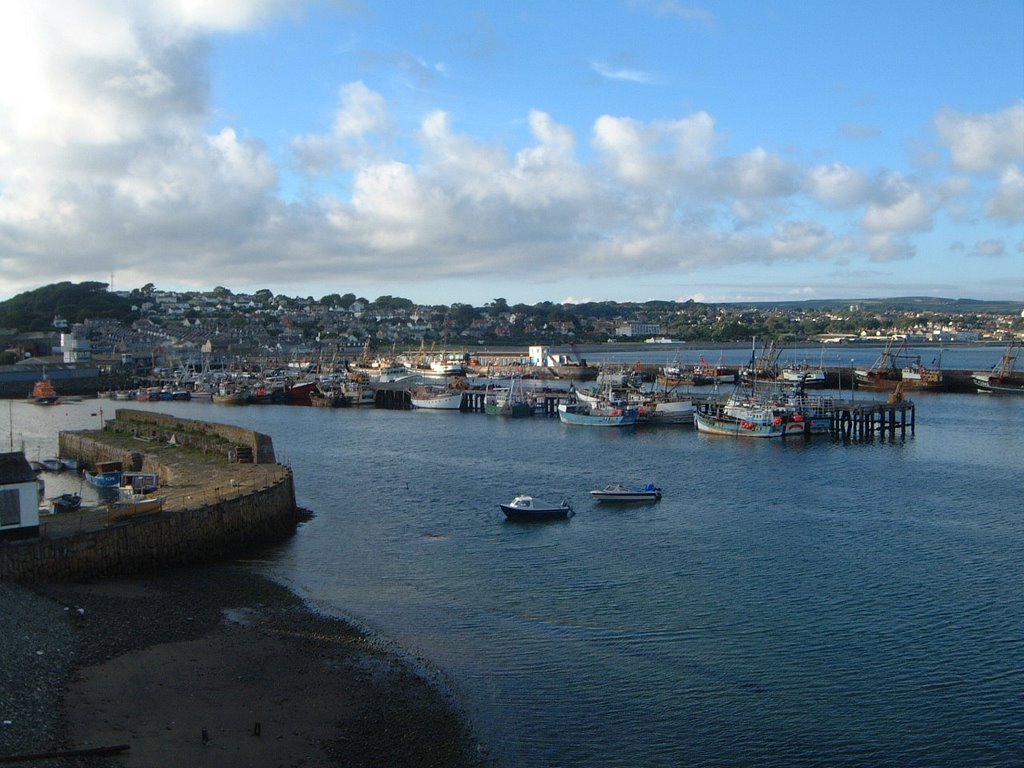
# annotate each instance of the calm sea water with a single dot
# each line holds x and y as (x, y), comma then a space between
(785, 604)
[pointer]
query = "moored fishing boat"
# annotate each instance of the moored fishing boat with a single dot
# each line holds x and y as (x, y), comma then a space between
(436, 398)
(1002, 379)
(705, 373)
(511, 403)
(804, 375)
(763, 367)
(666, 408)
(749, 416)
(327, 397)
(300, 392)
(585, 414)
(888, 372)
(228, 395)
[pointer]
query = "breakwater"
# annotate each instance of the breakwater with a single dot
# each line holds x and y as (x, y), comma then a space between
(218, 503)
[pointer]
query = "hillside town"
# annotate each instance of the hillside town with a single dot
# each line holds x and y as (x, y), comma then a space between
(170, 328)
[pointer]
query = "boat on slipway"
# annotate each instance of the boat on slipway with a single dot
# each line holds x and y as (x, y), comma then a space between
(525, 507)
(107, 475)
(1001, 379)
(66, 502)
(129, 504)
(621, 494)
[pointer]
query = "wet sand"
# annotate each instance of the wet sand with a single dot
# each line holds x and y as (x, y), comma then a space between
(216, 666)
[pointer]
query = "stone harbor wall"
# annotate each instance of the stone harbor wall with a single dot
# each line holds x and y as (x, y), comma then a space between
(207, 532)
(215, 507)
(215, 439)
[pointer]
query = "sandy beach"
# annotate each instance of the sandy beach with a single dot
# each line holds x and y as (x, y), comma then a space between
(216, 666)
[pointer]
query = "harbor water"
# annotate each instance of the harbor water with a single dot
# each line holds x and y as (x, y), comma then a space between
(785, 604)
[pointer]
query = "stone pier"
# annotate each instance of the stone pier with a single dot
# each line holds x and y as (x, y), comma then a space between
(225, 493)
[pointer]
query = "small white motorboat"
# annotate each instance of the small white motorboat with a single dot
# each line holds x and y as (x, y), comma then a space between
(525, 507)
(620, 493)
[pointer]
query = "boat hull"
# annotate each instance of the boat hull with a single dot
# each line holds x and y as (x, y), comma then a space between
(104, 479)
(524, 507)
(614, 418)
(509, 410)
(668, 412)
(119, 509)
(992, 385)
(514, 513)
(626, 497)
(729, 426)
(871, 383)
(446, 402)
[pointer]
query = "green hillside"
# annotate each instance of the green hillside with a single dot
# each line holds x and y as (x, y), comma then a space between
(75, 302)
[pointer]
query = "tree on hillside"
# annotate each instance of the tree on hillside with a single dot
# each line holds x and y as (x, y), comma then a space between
(35, 310)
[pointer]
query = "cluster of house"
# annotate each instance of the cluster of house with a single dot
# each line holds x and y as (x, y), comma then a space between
(220, 326)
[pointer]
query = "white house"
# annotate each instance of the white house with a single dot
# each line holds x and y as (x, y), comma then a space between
(75, 345)
(19, 497)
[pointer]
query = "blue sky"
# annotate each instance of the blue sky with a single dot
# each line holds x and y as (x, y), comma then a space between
(534, 151)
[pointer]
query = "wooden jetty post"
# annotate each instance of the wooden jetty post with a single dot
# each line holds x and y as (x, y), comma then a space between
(473, 401)
(862, 420)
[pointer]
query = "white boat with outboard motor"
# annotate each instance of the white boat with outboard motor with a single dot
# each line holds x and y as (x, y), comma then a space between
(623, 494)
(525, 507)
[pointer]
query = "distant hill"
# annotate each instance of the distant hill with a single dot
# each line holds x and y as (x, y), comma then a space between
(897, 304)
(75, 302)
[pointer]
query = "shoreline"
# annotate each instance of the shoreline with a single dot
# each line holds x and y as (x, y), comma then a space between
(158, 660)
(210, 663)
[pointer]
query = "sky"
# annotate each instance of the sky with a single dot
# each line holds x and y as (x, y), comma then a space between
(461, 151)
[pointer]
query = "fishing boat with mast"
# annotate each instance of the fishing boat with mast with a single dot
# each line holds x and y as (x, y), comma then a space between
(888, 371)
(764, 366)
(749, 415)
(1001, 379)
(511, 403)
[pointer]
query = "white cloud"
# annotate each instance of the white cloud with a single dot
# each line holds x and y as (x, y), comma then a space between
(684, 11)
(990, 248)
(759, 174)
(108, 163)
(657, 152)
(361, 126)
(900, 206)
(799, 238)
(621, 73)
(885, 247)
(986, 142)
(838, 185)
(1008, 201)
